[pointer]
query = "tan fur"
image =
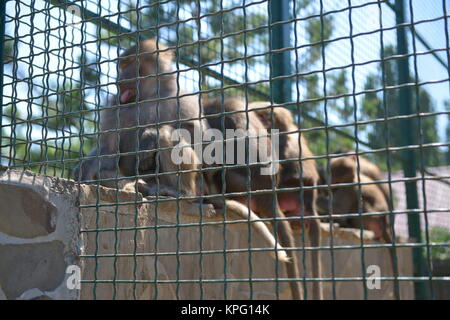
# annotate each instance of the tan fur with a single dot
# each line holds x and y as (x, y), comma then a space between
(292, 146)
(236, 180)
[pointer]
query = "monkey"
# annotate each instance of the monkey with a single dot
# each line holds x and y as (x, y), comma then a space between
(131, 145)
(158, 147)
(294, 174)
(375, 198)
(147, 94)
(370, 170)
(245, 179)
(346, 199)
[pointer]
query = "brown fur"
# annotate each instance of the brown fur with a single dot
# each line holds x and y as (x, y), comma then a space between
(135, 110)
(346, 199)
(235, 180)
(294, 174)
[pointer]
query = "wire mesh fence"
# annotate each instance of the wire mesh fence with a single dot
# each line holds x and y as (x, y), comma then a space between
(352, 96)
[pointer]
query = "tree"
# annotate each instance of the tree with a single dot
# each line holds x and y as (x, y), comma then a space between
(318, 31)
(373, 107)
(52, 111)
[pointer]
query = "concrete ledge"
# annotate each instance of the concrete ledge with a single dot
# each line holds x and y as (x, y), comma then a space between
(139, 249)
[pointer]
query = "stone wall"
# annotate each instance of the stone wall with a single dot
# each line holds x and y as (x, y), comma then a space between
(143, 250)
(39, 236)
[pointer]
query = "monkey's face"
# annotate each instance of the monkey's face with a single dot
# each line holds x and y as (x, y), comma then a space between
(144, 72)
(137, 79)
(343, 170)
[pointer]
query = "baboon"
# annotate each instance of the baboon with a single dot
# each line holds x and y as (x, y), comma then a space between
(249, 178)
(368, 197)
(147, 93)
(369, 169)
(372, 171)
(295, 173)
(374, 197)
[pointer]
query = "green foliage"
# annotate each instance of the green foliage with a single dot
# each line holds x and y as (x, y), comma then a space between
(8, 50)
(64, 111)
(373, 107)
(318, 31)
(57, 109)
(439, 235)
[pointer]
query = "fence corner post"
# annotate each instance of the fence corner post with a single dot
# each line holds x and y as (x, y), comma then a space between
(280, 63)
(409, 156)
(2, 54)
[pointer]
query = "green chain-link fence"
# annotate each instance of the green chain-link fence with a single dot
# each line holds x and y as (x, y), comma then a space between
(365, 78)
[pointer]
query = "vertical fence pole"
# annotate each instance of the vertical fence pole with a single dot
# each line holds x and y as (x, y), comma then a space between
(2, 55)
(407, 133)
(280, 63)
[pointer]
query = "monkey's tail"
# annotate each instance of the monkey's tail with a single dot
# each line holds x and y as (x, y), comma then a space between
(246, 214)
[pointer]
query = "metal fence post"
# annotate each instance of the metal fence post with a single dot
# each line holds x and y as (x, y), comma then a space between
(409, 156)
(280, 63)
(2, 55)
